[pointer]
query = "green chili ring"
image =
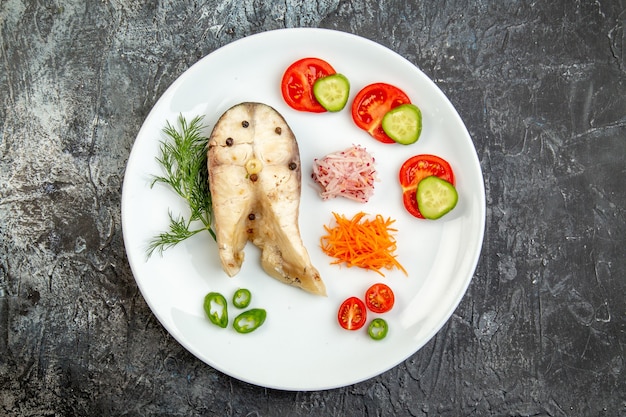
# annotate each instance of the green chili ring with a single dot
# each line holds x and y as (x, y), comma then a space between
(242, 298)
(378, 329)
(216, 309)
(249, 320)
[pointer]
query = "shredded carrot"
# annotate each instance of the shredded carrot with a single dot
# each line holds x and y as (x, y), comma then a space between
(362, 242)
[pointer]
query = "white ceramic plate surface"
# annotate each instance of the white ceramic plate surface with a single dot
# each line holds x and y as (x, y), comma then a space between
(301, 346)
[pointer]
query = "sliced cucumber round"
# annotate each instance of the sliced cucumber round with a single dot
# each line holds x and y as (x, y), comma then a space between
(435, 197)
(403, 124)
(332, 91)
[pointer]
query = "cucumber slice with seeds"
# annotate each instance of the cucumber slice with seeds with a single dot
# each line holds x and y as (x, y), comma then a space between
(435, 197)
(403, 124)
(332, 91)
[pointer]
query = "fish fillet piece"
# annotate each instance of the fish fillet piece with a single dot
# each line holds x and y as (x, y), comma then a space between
(255, 182)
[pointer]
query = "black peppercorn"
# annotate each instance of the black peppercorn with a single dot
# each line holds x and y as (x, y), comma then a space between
(229, 142)
(278, 130)
(245, 123)
(293, 166)
(254, 177)
(251, 216)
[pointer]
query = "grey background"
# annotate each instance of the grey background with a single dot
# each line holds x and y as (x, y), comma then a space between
(541, 88)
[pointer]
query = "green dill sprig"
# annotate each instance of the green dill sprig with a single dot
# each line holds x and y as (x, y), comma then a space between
(183, 157)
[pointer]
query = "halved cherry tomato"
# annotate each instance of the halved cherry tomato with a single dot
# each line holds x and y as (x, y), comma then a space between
(379, 298)
(372, 103)
(297, 83)
(414, 170)
(352, 314)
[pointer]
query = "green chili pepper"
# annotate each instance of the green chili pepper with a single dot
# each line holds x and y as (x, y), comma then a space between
(249, 320)
(216, 309)
(242, 298)
(378, 329)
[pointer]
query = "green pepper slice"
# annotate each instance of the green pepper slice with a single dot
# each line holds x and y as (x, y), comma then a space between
(216, 309)
(249, 320)
(378, 329)
(242, 298)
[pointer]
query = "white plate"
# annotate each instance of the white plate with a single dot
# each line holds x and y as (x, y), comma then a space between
(301, 346)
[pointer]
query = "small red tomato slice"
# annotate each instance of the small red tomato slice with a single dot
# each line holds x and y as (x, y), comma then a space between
(372, 103)
(297, 83)
(414, 170)
(379, 298)
(352, 314)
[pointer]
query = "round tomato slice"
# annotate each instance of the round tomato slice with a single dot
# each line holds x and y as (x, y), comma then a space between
(379, 298)
(414, 170)
(352, 314)
(297, 83)
(372, 103)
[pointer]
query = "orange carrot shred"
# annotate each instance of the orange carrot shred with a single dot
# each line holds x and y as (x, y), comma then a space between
(364, 243)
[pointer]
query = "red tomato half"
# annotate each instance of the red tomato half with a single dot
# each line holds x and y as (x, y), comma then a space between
(297, 83)
(372, 103)
(416, 169)
(379, 298)
(352, 314)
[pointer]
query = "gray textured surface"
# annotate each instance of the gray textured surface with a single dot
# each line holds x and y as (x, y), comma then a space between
(541, 87)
